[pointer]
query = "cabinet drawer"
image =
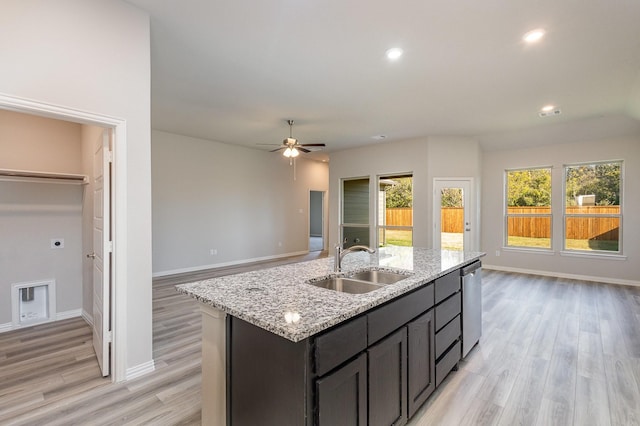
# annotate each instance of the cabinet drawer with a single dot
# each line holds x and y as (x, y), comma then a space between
(338, 345)
(446, 364)
(447, 310)
(447, 285)
(398, 312)
(445, 337)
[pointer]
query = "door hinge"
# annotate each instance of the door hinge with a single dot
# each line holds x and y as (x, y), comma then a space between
(109, 336)
(110, 156)
(110, 246)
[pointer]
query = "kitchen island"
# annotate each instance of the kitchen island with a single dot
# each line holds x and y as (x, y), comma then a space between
(278, 350)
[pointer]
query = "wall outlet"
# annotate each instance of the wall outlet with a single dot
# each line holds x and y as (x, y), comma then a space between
(57, 243)
(213, 252)
(498, 253)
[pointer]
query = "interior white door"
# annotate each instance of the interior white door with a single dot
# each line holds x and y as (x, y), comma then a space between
(453, 230)
(102, 251)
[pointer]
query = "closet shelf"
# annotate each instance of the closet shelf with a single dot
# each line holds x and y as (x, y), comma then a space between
(46, 177)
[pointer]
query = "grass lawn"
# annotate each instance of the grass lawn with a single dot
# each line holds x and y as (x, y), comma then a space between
(587, 245)
(454, 242)
(397, 237)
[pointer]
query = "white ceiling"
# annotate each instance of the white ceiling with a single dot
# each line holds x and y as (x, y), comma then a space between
(235, 70)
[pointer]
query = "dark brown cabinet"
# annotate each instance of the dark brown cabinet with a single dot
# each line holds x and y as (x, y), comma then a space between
(388, 380)
(447, 324)
(342, 395)
(375, 369)
(421, 361)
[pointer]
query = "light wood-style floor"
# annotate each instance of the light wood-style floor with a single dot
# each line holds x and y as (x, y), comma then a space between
(554, 352)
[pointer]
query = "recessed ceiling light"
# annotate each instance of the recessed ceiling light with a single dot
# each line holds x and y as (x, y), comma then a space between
(534, 35)
(394, 53)
(549, 111)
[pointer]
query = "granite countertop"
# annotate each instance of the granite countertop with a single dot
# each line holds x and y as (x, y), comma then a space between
(279, 300)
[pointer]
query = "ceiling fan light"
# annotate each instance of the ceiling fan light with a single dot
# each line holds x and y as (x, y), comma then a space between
(288, 152)
(294, 152)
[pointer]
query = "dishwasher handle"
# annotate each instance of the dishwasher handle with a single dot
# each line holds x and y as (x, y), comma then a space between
(470, 269)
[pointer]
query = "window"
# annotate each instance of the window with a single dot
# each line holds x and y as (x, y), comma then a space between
(395, 210)
(528, 215)
(354, 227)
(592, 213)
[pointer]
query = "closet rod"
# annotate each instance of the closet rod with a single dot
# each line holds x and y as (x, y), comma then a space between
(26, 174)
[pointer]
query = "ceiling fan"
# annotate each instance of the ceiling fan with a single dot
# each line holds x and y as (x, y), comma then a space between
(291, 146)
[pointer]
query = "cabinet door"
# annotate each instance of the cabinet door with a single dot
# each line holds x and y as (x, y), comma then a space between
(388, 380)
(421, 360)
(342, 395)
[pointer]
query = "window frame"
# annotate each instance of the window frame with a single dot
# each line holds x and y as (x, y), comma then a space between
(344, 225)
(507, 215)
(565, 216)
(380, 227)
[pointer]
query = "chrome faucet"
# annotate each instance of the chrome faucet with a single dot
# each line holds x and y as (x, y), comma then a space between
(340, 253)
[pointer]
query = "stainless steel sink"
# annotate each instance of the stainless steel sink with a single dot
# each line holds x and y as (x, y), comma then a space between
(359, 282)
(346, 285)
(379, 277)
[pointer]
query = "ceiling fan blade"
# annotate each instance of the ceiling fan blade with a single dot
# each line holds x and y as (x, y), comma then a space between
(312, 144)
(278, 149)
(269, 144)
(302, 149)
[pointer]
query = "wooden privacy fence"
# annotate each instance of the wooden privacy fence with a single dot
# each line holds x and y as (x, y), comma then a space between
(578, 228)
(400, 216)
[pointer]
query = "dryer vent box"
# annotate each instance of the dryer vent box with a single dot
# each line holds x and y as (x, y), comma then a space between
(33, 303)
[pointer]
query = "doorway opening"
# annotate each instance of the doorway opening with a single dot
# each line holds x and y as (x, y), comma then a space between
(92, 128)
(316, 221)
(452, 213)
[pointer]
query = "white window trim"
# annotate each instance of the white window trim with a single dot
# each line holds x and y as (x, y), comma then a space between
(604, 254)
(505, 227)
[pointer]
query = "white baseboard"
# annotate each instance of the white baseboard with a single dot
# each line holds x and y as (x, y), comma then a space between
(140, 370)
(87, 317)
(68, 314)
(225, 264)
(59, 317)
(562, 275)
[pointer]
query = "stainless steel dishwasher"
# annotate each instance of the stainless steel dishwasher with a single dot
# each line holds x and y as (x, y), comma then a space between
(471, 277)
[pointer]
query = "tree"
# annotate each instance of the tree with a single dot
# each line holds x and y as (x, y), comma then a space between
(601, 180)
(451, 197)
(530, 187)
(400, 194)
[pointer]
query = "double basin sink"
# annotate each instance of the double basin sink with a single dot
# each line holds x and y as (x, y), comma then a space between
(359, 282)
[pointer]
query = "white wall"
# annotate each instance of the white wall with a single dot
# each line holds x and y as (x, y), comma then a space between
(494, 165)
(241, 202)
(94, 56)
(31, 214)
(426, 158)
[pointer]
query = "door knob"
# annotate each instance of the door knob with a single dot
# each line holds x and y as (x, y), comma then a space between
(467, 229)
(91, 256)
